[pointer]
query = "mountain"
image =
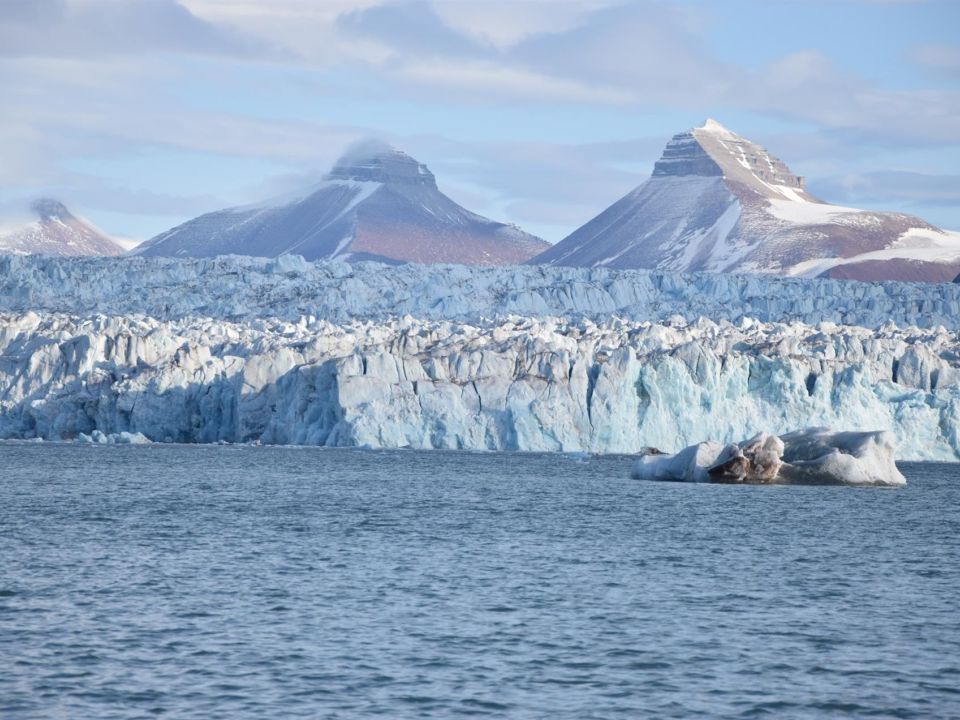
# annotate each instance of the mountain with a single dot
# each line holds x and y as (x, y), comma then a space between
(382, 205)
(717, 202)
(56, 231)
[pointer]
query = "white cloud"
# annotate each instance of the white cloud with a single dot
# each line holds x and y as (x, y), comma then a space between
(102, 28)
(527, 18)
(809, 87)
(307, 29)
(941, 58)
(896, 188)
(466, 79)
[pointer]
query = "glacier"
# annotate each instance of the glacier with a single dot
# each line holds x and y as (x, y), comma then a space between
(529, 383)
(236, 288)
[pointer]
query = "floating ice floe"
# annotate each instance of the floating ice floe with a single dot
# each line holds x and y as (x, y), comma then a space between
(816, 456)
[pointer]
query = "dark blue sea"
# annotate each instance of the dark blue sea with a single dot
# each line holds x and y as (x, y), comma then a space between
(238, 582)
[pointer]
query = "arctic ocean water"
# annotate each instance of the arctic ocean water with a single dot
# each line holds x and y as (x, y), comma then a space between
(236, 582)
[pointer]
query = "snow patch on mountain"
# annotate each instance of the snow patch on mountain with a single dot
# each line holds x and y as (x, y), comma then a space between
(918, 245)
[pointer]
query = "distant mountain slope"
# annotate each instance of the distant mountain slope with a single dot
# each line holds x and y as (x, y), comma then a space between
(717, 202)
(384, 206)
(56, 231)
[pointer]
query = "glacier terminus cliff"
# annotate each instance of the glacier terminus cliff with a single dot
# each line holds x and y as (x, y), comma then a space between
(557, 359)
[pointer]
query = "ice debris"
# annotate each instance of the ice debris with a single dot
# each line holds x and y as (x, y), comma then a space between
(121, 438)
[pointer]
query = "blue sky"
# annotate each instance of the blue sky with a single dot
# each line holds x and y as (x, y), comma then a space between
(140, 114)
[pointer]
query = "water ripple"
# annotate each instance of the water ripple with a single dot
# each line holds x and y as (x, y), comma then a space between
(196, 582)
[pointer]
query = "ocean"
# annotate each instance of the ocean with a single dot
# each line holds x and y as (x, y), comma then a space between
(268, 582)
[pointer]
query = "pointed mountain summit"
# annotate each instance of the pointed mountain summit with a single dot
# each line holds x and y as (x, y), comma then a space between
(54, 230)
(375, 205)
(717, 202)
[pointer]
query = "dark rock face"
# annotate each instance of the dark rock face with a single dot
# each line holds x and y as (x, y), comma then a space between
(717, 202)
(751, 165)
(384, 206)
(901, 269)
(50, 209)
(393, 167)
(57, 231)
(685, 156)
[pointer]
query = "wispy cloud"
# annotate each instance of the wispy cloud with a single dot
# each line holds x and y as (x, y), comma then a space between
(642, 52)
(650, 54)
(940, 58)
(896, 188)
(810, 87)
(96, 81)
(476, 81)
(99, 28)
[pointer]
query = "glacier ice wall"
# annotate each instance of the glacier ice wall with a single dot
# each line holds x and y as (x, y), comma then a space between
(243, 287)
(521, 383)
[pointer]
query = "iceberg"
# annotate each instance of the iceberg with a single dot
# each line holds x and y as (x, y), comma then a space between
(816, 456)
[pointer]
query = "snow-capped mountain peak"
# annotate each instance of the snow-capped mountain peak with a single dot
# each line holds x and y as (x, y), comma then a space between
(387, 166)
(50, 209)
(745, 162)
(51, 229)
(718, 202)
(715, 128)
(376, 203)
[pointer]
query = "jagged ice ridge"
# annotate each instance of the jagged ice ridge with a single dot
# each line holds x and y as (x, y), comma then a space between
(512, 384)
(287, 288)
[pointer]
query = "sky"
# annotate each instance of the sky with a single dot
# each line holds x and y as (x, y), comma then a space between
(141, 114)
